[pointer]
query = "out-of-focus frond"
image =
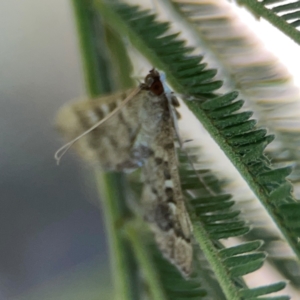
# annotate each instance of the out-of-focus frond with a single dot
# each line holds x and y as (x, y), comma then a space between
(285, 16)
(267, 89)
(262, 80)
(214, 216)
(236, 135)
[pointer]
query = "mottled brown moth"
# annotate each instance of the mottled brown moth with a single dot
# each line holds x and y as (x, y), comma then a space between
(138, 132)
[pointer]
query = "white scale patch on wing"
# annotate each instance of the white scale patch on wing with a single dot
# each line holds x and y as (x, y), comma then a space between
(105, 109)
(169, 183)
(93, 116)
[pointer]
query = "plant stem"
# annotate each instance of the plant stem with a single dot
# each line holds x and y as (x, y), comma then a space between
(212, 255)
(98, 80)
(110, 188)
(144, 259)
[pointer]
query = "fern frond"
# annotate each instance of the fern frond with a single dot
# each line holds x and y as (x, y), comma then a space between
(287, 22)
(144, 259)
(213, 219)
(262, 80)
(175, 286)
(165, 52)
(98, 80)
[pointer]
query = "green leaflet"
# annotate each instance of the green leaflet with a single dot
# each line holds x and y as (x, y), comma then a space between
(217, 220)
(240, 249)
(217, 102)
(263, 290)
(286, 17)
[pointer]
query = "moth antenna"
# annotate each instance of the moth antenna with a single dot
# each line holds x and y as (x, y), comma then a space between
(61, 151)
(187, 141)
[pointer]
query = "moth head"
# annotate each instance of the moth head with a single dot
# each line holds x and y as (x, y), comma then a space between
(153, 83)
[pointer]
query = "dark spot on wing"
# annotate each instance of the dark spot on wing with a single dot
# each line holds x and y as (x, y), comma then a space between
(158, 160)
(175, 101)
(167, 174)
(123, 121)
(154, 191)
(93, 136)
(98, 111)
(112, 106)
(169, 146)
(169, 191)
(163, 217)
(86, 123)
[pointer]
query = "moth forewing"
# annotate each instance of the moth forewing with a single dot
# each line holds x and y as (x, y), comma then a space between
(142, 135)
(162, 195)
(111, 143)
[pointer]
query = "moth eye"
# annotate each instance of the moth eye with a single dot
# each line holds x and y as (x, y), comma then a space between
(157, 88)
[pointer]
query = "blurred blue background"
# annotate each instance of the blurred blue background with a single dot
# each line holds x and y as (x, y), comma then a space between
(52, 234)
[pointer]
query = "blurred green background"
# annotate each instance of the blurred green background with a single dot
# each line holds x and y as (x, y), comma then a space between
(52, 234)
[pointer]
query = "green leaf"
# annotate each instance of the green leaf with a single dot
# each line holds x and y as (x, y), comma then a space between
(242, 270)
(275, 176)
(240, 249)
(235, 261)
(272, 288)
(238, 260)
(220, 101)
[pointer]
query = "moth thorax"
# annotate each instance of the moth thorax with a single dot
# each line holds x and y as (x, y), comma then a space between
(153, 83)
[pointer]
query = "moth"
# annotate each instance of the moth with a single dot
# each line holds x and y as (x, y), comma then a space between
(136, 129)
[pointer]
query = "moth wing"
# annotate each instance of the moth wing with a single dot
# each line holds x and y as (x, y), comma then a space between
(110, 144)
(164, 203)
